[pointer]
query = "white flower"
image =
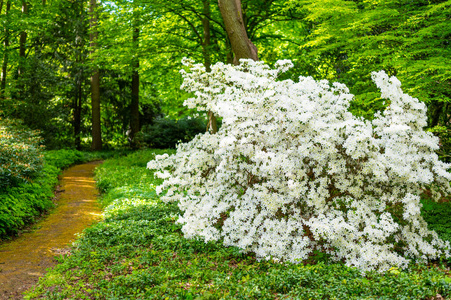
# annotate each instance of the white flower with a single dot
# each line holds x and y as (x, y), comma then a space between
(291, 170)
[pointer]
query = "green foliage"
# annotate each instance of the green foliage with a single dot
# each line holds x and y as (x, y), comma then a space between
(126, 175)
(20, 205)
(20, 153)
(167, 133)
(347, 40)
(437, 215)
(444, 135)
(65, 158)
(138, 252)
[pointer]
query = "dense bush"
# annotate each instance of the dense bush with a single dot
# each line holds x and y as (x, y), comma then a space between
(20, 153)
(166, 133)
(292, 171)
(20, 205)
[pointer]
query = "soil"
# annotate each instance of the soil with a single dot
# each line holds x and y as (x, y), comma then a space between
(25, 259)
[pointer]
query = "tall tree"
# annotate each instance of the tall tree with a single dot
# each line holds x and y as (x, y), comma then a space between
(22, 52)
(95, 80)
(236, 30)
(78, 74)
(22, 40)
(134, 105)
(212, 124)
(5, 51)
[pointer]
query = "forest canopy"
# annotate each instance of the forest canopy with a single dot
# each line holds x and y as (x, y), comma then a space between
(105, 73)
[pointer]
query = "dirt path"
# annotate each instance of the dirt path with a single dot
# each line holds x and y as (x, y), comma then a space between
(24, 260)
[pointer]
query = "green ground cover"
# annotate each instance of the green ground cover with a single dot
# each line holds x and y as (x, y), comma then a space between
(138, 252)
(22, 203)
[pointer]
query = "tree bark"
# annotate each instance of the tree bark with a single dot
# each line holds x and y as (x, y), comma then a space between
(79, 78)
(5, 53)
(22, 55)
(233, 20)
(95, 81)
(207, 36)
(134, 105)
(77, 113)
(436, 112)
(212, 125)
(22, 41)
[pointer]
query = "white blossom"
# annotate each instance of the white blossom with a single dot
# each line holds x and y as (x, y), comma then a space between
(291, 170)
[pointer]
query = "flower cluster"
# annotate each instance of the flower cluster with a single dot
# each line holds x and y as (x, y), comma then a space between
(291, 170)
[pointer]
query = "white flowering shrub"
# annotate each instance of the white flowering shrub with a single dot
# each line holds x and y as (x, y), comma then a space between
(291, 170)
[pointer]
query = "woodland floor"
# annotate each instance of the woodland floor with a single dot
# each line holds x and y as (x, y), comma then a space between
(26, 258)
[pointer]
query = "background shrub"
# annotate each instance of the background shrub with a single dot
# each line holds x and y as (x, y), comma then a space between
(21, 158)
(166, 133)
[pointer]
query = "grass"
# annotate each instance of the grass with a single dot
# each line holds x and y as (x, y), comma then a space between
(138, 252)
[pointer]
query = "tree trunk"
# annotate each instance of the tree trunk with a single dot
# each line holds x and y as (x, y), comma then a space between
(79, 78)
(436, 112)
(22, 41)
(212, 125)
(95, 81)
(5, 53)
(207, 36)
(22, 54)
(134, 105)
(233, 20)
(77, 113)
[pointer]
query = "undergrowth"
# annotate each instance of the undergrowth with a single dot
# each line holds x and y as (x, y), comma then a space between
(139, 252)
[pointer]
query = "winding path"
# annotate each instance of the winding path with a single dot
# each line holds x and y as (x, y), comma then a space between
(25, 259)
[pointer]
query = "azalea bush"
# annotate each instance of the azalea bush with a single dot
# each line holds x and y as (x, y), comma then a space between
(292, 171)
(21, 156)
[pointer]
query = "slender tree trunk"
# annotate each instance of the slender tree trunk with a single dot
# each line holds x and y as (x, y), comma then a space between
(77, 113)
(78, 99)
(1, 6)
(212, 125)
(436, 112)
(233, 20)
(95, 81)
(5, 53)
(207, 36)
(134, 105)
(22, 54)
(22, 41)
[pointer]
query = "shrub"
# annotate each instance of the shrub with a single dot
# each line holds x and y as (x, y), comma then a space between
(165, 133)
(64, 158)
(20, 205)
(20, 153)
(292, 171)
